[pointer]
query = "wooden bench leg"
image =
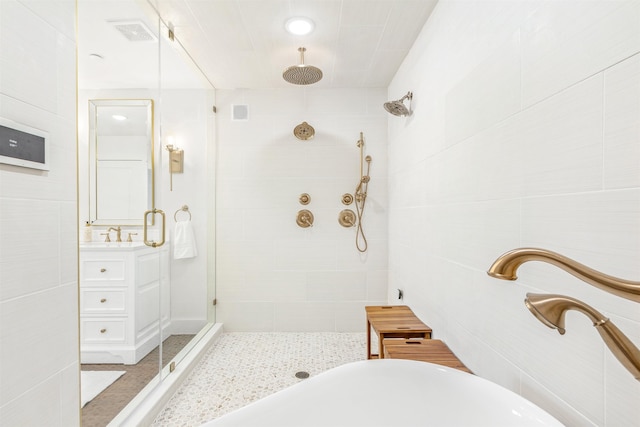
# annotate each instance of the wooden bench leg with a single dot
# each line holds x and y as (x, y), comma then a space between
(368, 339)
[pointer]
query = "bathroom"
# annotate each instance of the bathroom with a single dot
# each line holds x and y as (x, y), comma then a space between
(524, 132)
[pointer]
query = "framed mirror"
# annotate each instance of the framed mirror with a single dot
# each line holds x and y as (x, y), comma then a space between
(121, 170)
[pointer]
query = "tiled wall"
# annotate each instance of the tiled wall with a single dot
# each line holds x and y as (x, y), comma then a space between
(38, 233)
(271, 274)
(525, 132)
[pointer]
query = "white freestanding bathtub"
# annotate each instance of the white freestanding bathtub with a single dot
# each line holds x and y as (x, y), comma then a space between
(390, 392)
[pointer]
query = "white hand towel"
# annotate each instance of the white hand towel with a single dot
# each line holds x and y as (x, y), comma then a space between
(184, 242)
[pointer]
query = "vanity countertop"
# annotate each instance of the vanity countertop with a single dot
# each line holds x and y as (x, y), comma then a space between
(120, 246)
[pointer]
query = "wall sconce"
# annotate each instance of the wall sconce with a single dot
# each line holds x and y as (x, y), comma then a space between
(176, 162)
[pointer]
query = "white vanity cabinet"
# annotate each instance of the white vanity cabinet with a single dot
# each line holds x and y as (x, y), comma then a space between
(124, 301)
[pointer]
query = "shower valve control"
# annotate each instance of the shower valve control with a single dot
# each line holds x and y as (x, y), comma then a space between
(304, 199)
(347, 218)
(304, 218)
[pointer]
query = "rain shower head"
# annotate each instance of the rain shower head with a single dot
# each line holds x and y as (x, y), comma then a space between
(397, 108)
(302, 74)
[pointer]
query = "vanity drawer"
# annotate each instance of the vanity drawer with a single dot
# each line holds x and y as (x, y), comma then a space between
(101, 301)
(102, 270)
(94, 331)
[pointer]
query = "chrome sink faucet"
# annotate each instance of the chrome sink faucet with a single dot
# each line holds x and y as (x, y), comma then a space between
(118, 231)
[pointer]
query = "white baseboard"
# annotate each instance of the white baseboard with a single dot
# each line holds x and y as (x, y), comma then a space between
(146, 406)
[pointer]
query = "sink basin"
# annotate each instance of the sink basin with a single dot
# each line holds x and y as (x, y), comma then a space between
(111, 245)
(390, 392)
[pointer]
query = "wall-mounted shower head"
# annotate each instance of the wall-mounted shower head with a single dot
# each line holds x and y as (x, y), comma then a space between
(302, 74)
(397, 108)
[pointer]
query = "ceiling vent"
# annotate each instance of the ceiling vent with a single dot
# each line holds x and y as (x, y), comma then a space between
(134, 31)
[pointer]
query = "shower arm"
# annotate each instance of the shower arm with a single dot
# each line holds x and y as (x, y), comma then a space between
(302, 50)
(506, 265)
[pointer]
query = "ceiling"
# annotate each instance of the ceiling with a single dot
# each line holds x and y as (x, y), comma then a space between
(243, 43)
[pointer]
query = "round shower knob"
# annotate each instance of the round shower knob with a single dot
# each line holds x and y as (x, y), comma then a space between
(347, 218)
(304, 199)
(304, 218)
(347, 199)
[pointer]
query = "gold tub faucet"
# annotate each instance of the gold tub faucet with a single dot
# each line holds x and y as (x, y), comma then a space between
(507, 264)
(550, 310)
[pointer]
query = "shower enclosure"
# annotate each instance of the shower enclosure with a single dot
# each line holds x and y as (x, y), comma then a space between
(126, 51)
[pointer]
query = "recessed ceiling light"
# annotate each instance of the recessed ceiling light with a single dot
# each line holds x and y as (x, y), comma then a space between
(299, 26)
(119, 117)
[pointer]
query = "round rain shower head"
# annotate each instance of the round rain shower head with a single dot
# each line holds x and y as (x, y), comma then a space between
(302, 74)
(397, 108)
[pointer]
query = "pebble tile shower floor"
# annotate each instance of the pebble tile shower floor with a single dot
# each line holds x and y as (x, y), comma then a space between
(242, 367)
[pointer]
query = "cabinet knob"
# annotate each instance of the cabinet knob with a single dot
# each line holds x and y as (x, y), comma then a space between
(102, 331)
(102, 270)
(103, 300)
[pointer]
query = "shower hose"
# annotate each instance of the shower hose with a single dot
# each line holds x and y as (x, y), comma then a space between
(360, 202)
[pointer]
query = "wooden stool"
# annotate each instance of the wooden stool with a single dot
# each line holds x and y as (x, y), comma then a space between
(433, 351)
(393, 321)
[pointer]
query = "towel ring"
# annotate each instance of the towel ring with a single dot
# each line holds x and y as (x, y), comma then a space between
(184, 208)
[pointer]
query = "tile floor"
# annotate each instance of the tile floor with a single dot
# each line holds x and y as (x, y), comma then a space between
(242, 367)
(101, 410)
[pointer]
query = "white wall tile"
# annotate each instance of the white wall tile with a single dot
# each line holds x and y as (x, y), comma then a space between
(480, 100)
(53, 408)
(246, 316)
(566, 42)
(22, 31)
(28, 268)
(473, 174)
(304, 317)
(621, 127)
(622, 390)
(282, 262)
(38, 253)
(23, 320)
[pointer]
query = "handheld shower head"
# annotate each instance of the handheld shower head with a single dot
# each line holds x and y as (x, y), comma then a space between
(550, 310)
(397, 108)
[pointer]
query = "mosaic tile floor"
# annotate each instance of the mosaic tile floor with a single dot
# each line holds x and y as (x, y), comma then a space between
(242, 367)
